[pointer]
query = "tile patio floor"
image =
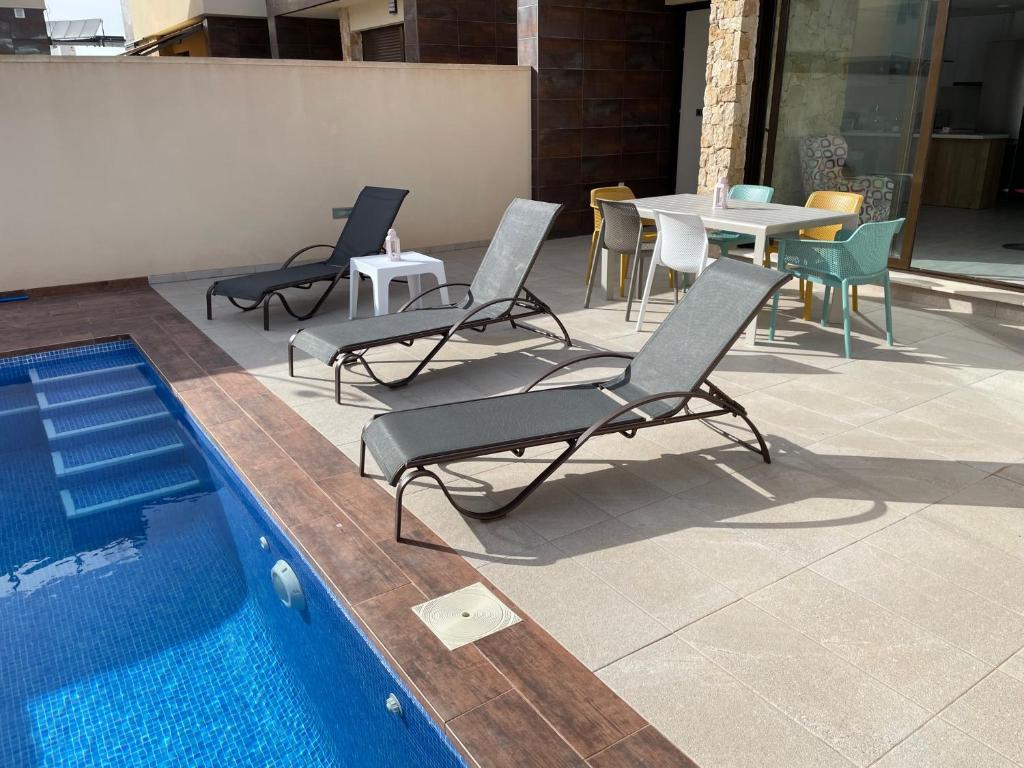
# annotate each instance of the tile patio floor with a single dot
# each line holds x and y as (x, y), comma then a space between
(858, 602)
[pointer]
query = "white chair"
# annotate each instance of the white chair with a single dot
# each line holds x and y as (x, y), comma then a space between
(682, 247)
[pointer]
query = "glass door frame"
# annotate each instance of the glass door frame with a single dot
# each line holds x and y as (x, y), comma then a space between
(928, 103)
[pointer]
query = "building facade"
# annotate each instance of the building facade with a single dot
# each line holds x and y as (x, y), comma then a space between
(23, 28)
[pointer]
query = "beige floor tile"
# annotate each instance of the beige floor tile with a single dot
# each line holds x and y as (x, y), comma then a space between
(720, 722)
(726, 554)
(1014, 472)
(565, 598)
(988, 511)
(993, 713)
(814, 394)
(669, 590)
(917, 426)
(1014, 666)
(842, 705)
(1005, 384)
(888, 468)
(913, 661)
(967, 563)
(964, 619)
(940, 745)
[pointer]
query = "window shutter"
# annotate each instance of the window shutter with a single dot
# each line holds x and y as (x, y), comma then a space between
(384, 43)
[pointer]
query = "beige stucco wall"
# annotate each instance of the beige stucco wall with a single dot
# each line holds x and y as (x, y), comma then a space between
(374, 14)
(135, 167)
(151, 17)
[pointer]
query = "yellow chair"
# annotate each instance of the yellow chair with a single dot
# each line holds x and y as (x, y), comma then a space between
(621, 192)
(842, 202)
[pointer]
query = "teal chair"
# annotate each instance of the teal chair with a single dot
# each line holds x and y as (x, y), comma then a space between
(854, 258)
(751, 193)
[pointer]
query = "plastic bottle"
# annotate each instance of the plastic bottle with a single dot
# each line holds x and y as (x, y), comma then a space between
(392, 246)
(720, 196)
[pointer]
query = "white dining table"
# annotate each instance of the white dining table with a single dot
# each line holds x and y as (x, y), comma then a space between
(759, 220)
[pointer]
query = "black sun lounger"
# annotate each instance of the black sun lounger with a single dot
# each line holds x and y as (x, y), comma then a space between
(657, 387)
(366, 227)
(497, 295)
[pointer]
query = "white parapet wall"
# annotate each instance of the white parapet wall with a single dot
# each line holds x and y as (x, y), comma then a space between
(123, 168)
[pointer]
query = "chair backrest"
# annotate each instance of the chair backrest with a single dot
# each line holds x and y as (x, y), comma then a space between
(698, 332)
(867, 249)
(512, 251)
(682, 242)
(621, 192)
(367, 226)
(822, 161)
(830, 200)
(622, 226)
(751, 193)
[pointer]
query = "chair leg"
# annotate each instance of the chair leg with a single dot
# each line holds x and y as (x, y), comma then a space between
(675, 283)
(846, 318)
(825, 306)
(671, 278)
(623, 269)
(808, 298)
(648, 287)
(855, 304)
(888, 310)
(633, 284)
(593, 251)
(775, 312)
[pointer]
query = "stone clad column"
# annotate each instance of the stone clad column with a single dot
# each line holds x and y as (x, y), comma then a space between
(730, 72)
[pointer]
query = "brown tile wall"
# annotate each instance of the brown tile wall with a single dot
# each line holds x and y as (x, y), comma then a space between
(607, 101)
(23, 36)
(461, 31)
(297, 37)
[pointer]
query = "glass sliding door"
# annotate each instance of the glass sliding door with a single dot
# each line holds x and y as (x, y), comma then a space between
(850, 87)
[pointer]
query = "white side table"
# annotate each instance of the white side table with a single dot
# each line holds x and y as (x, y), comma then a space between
(381, 271)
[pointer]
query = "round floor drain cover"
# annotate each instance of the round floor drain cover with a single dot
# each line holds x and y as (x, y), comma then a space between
(466, 615)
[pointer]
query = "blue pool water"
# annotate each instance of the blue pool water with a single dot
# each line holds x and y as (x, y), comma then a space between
(138, 623)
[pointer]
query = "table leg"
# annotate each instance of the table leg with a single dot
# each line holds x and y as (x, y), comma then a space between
(353, 293)
(415, 289)
(441, 280)
(760, 244)
(381, 285)
(609, 275)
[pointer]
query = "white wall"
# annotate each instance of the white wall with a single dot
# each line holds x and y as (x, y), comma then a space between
(694, 80)
(134, 167)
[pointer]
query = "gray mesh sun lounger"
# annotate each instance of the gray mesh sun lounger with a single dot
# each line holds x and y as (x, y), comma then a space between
(366, 227)
(497, 295)
(657, 387)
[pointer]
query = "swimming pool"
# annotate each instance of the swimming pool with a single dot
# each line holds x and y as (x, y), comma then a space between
(138, 622)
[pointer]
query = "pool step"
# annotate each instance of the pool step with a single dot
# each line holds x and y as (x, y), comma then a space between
(105, 493)
(67, 392)
(133, 409)
(18, 398)
(117, 448)
(79, 368)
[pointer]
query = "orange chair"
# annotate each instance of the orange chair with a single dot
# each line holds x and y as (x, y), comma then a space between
(621, 192)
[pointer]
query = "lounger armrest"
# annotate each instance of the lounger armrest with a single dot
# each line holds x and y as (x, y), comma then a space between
(682, 395)
(559, 366)
(419, 296)
(301, 251)
(464, 322)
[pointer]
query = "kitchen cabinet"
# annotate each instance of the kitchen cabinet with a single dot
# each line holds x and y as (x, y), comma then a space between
(963, 170)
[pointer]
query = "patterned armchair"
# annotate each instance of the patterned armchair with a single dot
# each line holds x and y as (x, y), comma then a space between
(823, 167)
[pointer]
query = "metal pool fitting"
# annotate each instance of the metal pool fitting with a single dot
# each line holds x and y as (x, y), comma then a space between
(394, 706)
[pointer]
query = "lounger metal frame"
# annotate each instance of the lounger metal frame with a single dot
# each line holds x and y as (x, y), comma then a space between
(576, 439)
(264, 301)
(526, 301)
